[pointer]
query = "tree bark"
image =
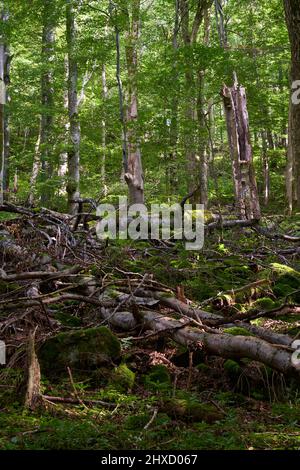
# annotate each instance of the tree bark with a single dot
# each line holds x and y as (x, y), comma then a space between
(35, 167)
(133, 170)
(221, 23)
(171, 160)
(189, 35)
(266, 167)
(292, 16)
(63, 158)
(104, 148)
(75, 135)
(4, 99)
(203, 130)
(48, 40)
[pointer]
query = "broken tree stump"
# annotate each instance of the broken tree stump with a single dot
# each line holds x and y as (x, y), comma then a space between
(236, 113)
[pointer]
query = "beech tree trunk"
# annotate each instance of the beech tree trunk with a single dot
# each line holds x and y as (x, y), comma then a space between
(246, 195)
(48, 40)
(203, 124)
(4, 98)
(133, 169)
(171, 173)
(190, 32)
(2, 104)
(292, 16)
(104, 149)
(36, 166)
(74, 145)
(63, 158)
(266, 167)
(289, 176)
(121, 99)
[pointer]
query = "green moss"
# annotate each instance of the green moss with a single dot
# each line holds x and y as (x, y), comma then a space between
(158, 379)
(191, 410)
(282, 269)
(6, 287)
(203, 367)
(265, 303)
(122, 378)
(84, 349)
(67, 320)
(232, 368)
(237, 331)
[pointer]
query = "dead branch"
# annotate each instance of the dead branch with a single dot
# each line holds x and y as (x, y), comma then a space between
(75, 401)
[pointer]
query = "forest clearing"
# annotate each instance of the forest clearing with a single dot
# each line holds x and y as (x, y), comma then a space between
(150, 225)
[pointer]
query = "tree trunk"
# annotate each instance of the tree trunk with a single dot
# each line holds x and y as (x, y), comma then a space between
(74, 145)
(246, 196)
(133, 170)
(221, 23)
(2, 105)
(48, 40)
(289, 177)
(63, 158)
(203, 125)
(4, 98)
(104, 149)
(172, 178)
(266, 168)
(36, 166)
(292, 15)
(221, 344)
(189, 35)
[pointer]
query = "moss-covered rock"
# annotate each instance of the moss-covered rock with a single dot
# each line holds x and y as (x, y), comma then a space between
(158, 379)
(190, 410)
(85, 349)
(232, 368)
(265, 303)
(286, 280)
(122, 378)
(282, 270)
(66, 319)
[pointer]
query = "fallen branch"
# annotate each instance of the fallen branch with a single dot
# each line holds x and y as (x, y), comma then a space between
(76, 401)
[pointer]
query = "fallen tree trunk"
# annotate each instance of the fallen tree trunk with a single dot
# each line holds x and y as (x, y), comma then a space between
(213, 319)
(224, 345)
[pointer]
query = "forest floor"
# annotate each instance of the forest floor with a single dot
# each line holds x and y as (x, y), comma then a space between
(154, 403)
